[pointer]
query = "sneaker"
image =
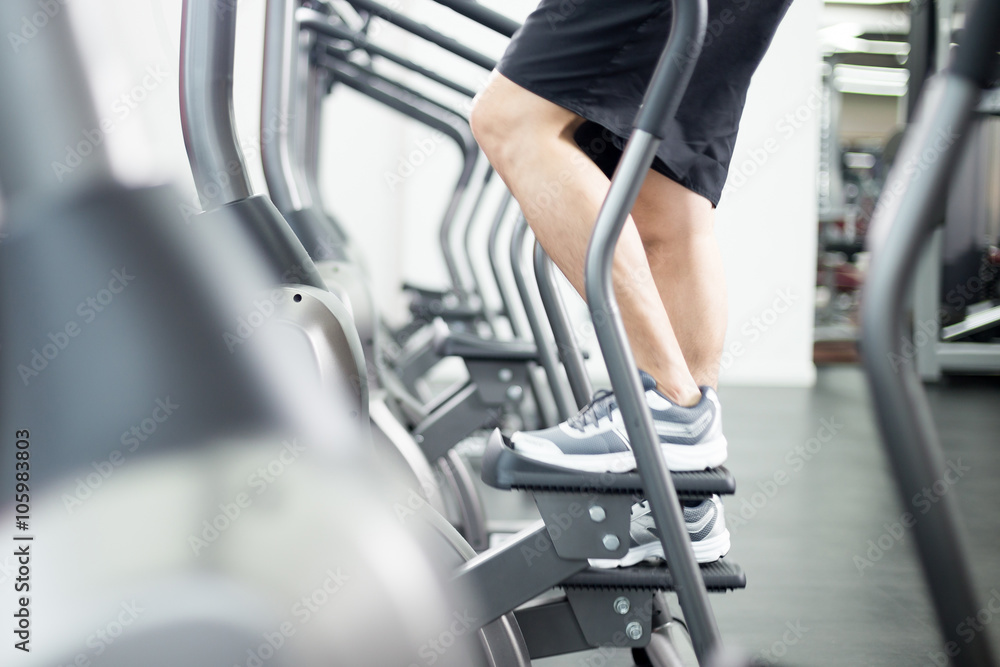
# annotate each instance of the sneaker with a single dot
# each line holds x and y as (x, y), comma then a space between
(594, 440)
(706, 525)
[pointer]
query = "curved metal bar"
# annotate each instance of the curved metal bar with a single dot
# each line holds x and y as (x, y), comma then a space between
(312, 111)
(562, 328)
(484, 16)
(509, 301)
(425, 33)
(669, 81)
(301, 97)
(467, 233)
(282, 167)
(506, 298)
(313, 20)
(333, 52)
(401, 100)
(903, 222)
(470, 286)
(546, 355)
(208, 38)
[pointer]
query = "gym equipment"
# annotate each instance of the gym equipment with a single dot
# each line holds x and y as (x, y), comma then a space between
(599, 607)
(902, 225)
(123, 555)
(284, 95)
(441, 423)
(424, 351)
(461, 304)
(323, 326)
(505, 468)
(956, 300)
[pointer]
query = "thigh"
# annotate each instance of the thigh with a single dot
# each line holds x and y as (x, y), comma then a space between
(518, 108)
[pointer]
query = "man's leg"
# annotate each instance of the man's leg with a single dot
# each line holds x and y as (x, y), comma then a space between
(529, 141)
(676, 226)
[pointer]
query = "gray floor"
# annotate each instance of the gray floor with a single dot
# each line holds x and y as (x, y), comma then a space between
(810, 545)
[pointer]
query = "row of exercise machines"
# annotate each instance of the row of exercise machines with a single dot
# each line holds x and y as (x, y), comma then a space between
(324, 557)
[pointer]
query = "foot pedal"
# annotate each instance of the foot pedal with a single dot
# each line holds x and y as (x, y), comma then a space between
(505, 468)
(720, 576)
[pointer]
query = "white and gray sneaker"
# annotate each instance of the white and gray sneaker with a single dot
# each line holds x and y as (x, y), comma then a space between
(594, 440)
(706, 525)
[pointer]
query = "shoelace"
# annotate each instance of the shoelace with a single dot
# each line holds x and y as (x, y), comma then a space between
(600, 405)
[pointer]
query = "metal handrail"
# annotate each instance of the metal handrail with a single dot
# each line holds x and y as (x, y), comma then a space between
(398, 98)
(208, 38)
(562, 329)
(425, 32)
(279, 101)
(546, 355)
(483, 16)
(904, 220)
(658, 107)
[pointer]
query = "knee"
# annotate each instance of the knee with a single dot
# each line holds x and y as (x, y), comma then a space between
(675, 234)
(670, 218)
(494, 124)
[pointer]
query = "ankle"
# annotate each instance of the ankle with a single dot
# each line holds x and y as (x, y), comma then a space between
(685, 394)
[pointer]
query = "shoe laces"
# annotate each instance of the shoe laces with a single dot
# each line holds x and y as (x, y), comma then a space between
(600, 406)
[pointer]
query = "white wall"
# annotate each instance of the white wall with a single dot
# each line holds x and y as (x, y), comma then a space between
(766, 221)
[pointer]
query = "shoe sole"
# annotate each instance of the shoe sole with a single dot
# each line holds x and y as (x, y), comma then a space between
(705, 551)
(680, 458)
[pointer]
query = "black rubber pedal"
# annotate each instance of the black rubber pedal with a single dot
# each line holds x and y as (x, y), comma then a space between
(720, 576)
(504, 468)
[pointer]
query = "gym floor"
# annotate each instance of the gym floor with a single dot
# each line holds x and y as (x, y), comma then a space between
(832, 572)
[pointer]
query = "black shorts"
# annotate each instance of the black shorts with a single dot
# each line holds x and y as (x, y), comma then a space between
(596, 57)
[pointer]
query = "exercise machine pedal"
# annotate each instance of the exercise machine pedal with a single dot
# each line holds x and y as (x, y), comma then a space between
(505, 468)
(720, 576)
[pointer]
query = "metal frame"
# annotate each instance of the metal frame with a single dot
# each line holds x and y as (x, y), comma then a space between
(467, 285)
(565, 407)
(930, 38)
(901, 226)
(208, 36)
(424, 32)
(562, 329)
(410, 104)
(279, 98)
(508, 305)
(659, 105)
(483, 16)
